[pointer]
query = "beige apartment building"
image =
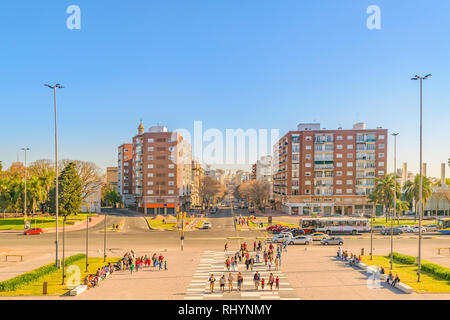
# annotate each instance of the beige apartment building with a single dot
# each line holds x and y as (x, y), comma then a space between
(161, 171)
(112, 178)
(197, 176)
(125, 174)
(328, 171)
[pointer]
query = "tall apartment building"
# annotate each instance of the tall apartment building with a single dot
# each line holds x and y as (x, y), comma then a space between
(328, 171)
(112, 178)
(161, 170)
(197, 176)
(125, 174)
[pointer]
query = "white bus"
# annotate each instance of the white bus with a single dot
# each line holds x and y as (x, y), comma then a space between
(335, 225)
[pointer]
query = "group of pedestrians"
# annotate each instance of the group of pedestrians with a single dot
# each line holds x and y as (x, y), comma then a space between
(133, 263)
(353, 259)
(93, 280)
(243, 255)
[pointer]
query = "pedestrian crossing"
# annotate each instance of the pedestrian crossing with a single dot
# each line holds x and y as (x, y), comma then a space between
(213, 262)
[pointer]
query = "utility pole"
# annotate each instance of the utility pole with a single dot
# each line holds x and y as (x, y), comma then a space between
(395, 199)
(104, 241)
(56, 86)
(419, 262)
(63, 252)
(87, 236)
(25, 194)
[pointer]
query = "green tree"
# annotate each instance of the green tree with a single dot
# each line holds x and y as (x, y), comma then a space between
(412, 191)
(69, 185)
(112, 197)
(385, 188)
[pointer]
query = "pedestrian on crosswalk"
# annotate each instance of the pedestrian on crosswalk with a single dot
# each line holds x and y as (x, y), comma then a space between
(240, 279)
(233, 264)
(251, 263)
(277, 283)
(276, 263)
(230, 282)
(269, 264)
(222, 283)
(254, 246)
(211, 283)
(256, 279)
(262, 283)
(271, 280)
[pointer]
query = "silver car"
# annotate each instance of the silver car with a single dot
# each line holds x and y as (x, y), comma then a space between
(300, 240)
(282, 237)
(332, 240)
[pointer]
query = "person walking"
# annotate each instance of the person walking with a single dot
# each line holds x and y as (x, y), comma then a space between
(252, 261)
(269, 264)
(254, 246)
(233, 264)
(131, 266)
(277, 283)
(226, 247)
(262, 284)
(222, 283)
(240, 279)
(256, 279)
(276, 263)
(211, 283)
(230, 282)
(271, 281)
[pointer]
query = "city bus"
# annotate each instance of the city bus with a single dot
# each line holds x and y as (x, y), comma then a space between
(335, 225)
(444, 226)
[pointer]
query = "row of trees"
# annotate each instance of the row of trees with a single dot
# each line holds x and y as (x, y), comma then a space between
(41, 185)
(255, 192)
(210, 190)
(385, 188)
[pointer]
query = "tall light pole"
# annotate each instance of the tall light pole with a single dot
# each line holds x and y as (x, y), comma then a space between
(56, 86)
(25, 194)
(419, 262)
(395, 197)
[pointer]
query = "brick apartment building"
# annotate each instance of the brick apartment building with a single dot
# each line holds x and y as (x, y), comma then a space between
(328, 171)
(160, 173)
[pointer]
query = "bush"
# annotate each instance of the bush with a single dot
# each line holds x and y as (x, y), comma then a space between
(436, 270)
(402, 258)
(26, 278)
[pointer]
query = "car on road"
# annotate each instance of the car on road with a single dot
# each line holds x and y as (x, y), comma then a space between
(405, 228)
(388, 232)
(318, 236)
(378, 228)
(332, 240)
(300, 240)
(416, 229)
(33, 231)
(431, 228)
(282, 237)
(206, 225)
(273, 227)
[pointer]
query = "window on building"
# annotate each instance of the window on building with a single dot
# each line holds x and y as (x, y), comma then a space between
(150, 166)
(308, 165)
(349, 146)
(150, 140)
(126, 157)
(349, 181)
(339, 164)
(339, 155)
(349, 137)
(339, 138)
(150, 149)
(349, 173)
(150, 158)
(308, 147)
(126, 164)
(308, 157)
(381, 155)
(171, 183)
(381, 137)
(381, 146)
(338, 181)
(170, 192)
(349, 190)
(307, 183)
(171, 175)
(338, 173)
(381, 164)
(308, 173)
(349, 155)
(149, 183)
(381, 173)
(150, 175)
(171, 166)
(149, 191)
(338, 191)
(308, 138)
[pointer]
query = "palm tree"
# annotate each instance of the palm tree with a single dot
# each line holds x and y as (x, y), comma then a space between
(385, 188)
(412, 191)
(440, 194)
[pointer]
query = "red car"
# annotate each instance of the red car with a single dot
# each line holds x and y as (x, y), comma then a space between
(272, 228)
(33, 231)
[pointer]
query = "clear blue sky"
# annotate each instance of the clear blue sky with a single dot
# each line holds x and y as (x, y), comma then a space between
(231, 64)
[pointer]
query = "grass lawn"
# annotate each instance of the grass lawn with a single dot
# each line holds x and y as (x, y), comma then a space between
(382, 222)
(408, 275)
(41, 222)
(159, 224)
(54, 279)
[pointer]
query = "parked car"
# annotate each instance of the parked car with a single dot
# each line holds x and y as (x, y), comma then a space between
(273, 227)
(387, 231)
(431, 228)
(33, 231)
(405, 228)
(300, 240)
(332, 240)
(416, 229)
(282, 237)
(378, 228)
(206, 225)
(318, 236)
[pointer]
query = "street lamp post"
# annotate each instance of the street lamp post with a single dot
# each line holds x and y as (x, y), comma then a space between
(56, 86)
(104, 241)
(25, 194)
(395, 197)
(87, 235)
(419, 262)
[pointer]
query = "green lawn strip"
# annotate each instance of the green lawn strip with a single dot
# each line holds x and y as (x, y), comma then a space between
(159, 224)
(41, 222)
(54, 279)
(35, 275)
(200, 223)
(408, 274)
(382, 222)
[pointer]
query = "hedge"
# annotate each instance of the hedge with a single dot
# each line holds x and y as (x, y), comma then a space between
(29, 277)
(436, 270)
(403, 258)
